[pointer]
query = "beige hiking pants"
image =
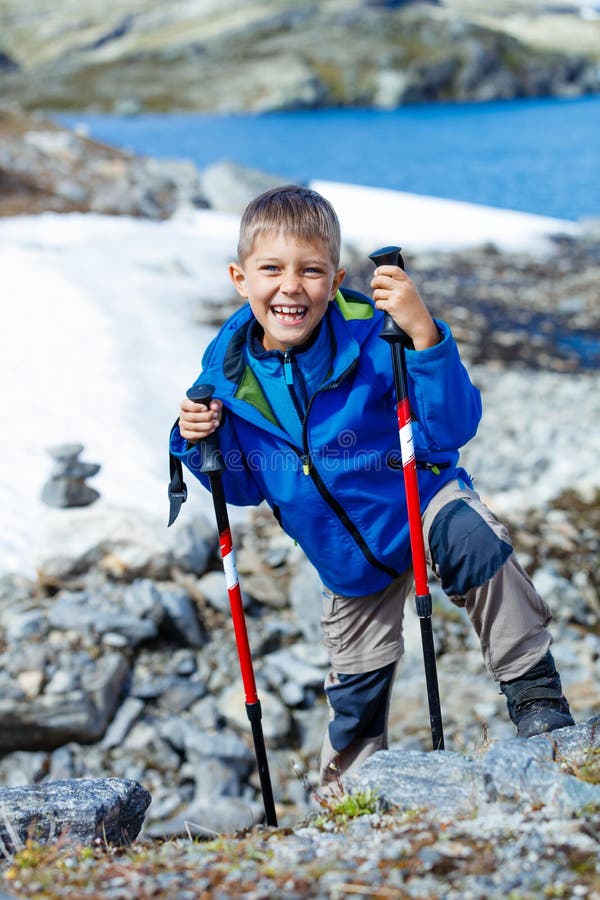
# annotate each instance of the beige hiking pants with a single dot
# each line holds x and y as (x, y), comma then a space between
(365, 633)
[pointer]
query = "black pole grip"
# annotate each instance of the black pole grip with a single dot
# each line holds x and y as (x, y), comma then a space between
(212, 460)
(390, 256)
(200, 393)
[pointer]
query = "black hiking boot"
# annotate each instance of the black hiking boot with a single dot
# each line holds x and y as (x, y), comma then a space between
(536, 703)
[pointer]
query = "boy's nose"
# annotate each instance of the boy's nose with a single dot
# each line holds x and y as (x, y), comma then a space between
(290, 284)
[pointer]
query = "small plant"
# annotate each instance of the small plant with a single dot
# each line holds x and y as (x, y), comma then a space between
(589, 769)
(339, 807)
(586, 767)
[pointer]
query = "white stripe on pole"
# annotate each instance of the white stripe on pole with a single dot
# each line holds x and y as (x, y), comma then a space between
(406, 444)
(230, 569)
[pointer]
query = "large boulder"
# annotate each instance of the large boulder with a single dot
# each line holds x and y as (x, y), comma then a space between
(73, 812)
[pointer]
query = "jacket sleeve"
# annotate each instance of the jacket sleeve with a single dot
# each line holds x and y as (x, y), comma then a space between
(239, 484)
(446, 405)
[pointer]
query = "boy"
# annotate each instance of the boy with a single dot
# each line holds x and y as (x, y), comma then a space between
(305, 408)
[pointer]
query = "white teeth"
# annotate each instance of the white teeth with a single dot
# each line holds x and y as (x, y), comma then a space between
(289, 310)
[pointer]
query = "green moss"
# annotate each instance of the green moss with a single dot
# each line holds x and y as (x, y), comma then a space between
(341, 808)
(589, 770)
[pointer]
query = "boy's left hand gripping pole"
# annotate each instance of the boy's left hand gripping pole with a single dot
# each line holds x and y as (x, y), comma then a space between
(212, 465)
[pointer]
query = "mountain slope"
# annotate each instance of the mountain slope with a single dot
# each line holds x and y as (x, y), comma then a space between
(127, 55)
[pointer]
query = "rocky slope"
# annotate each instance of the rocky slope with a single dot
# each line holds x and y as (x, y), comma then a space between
(47, 168)
(128, 55)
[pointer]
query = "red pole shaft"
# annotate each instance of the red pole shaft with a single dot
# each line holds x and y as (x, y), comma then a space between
(237, 615)
(411, 486)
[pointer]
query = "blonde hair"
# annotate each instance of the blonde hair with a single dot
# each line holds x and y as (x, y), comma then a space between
(295, 211)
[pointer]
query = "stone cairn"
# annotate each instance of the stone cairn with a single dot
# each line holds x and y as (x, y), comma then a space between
(66, 486)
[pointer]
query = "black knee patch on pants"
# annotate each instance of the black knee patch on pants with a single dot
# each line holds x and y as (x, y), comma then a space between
(359, 703)
(465, 550)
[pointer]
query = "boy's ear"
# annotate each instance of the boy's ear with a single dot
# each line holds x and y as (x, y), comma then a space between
(236, 273)
(337, 280)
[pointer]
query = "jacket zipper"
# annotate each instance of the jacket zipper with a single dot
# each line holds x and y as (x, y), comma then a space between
(288, 377)
(309, 469)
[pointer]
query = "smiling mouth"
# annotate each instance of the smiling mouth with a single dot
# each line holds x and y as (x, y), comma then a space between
(289, 315)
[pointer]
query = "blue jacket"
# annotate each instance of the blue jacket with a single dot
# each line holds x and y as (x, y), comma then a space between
(340, 491)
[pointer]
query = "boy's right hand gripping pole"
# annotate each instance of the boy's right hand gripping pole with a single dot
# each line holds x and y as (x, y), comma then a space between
(213, 465)
(398, 340)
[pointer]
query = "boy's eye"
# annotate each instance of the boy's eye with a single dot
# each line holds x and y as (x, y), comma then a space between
(268, 268)
(313, 270)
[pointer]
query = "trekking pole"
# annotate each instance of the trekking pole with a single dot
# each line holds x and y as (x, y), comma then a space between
(398, 340)
(213, 465)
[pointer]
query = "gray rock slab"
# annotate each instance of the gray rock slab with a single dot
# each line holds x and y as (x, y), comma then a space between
(181, 617)
(229, 187)
(77, 811)
(513, 773)
(524, 772)
(129, 711)
(572, 744)
(411, 779)
(135, 621)
(65, 452)
(49, 720)
(65, 493)
(194, 544)
(285, 665)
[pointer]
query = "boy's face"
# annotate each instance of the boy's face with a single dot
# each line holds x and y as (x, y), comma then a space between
(288, 284)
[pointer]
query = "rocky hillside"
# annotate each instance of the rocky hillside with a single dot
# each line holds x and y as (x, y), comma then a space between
(130, 55)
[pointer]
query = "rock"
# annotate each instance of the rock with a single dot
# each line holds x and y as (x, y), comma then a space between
(22, 767)
(181, 694)
(62, 764)
(181, 617)
(66, 487)
(276, 720)
(265, 589)
(290, 666)
(195, 543)
(571, 745)
(518, 771)
(515, 772)
(414, 780)
(214, 590)
(30, 681)
(46, 167)
(66, 493)
(73, 813)
(52, 719)
(129, 711)
(306, 599)
(125, 543)
(229, 187)
(75, 612)
(7, 64)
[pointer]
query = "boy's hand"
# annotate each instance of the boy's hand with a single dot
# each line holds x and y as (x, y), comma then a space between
(197, 421)
(395, 293)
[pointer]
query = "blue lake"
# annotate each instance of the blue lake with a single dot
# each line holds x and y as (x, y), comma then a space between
(539, 156)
